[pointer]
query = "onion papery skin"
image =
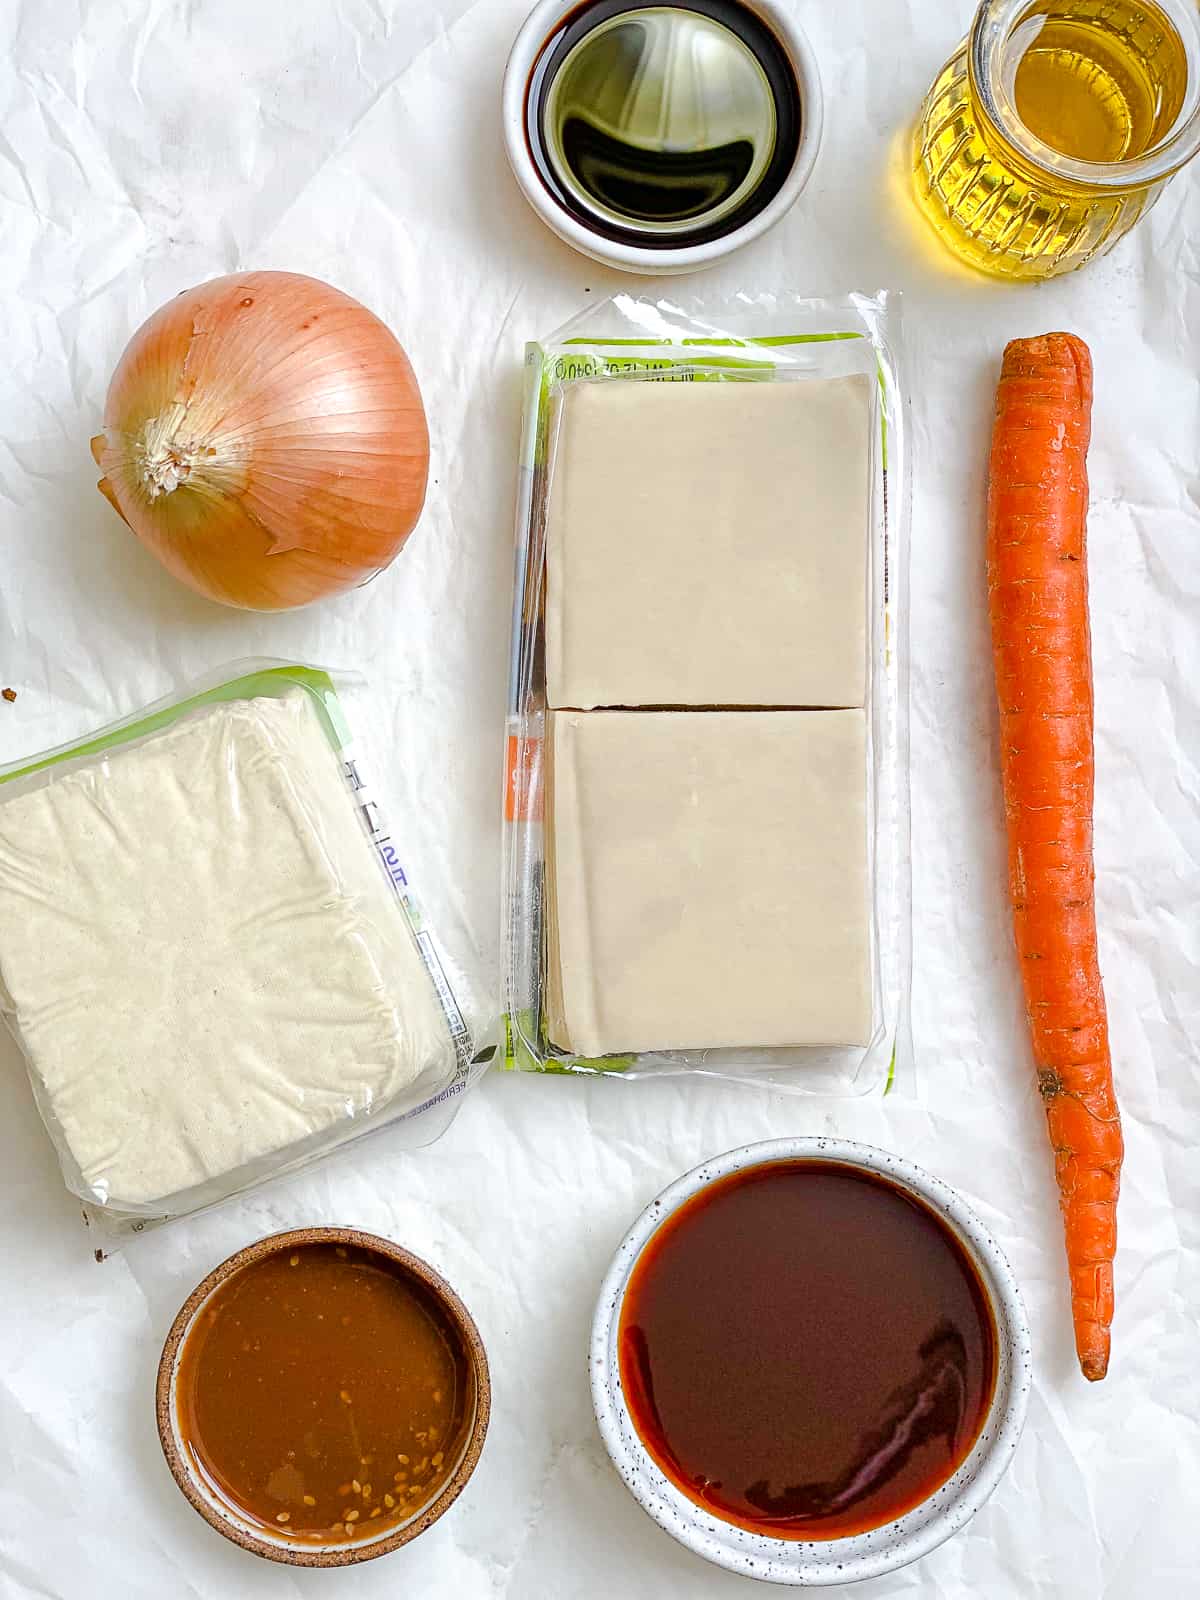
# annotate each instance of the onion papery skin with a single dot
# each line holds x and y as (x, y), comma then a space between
(264, 435)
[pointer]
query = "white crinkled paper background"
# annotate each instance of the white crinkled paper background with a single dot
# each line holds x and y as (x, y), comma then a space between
(145, 146)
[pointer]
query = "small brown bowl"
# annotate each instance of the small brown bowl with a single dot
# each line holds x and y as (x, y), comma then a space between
(224, 1517)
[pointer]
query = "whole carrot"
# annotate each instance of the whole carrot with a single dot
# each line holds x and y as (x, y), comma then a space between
(1038, 594)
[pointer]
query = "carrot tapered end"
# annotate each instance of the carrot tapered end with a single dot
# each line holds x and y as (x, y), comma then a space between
(1092, 1344)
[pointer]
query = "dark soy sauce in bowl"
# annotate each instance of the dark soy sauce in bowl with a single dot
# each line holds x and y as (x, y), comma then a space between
(663, 125)
(806, 1350)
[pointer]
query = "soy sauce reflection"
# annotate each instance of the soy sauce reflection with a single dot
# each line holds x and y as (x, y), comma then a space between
(807, 1353)
(653, 185)
(663, 124)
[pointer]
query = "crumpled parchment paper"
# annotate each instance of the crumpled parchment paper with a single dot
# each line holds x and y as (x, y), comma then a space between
(145, 146)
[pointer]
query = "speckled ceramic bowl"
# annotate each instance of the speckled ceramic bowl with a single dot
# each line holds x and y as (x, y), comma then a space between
(216, 1511)
(826, 1561)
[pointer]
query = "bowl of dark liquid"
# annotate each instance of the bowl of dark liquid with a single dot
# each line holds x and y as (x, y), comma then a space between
(810, 1362)
(659, 137)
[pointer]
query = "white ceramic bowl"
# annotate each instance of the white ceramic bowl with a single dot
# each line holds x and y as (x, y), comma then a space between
(826, 1561)
(537, 28)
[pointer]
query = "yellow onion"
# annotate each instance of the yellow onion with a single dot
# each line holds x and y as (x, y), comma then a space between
(264, 436)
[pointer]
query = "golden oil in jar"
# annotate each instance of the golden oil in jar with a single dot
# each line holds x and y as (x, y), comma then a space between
(1036, 147)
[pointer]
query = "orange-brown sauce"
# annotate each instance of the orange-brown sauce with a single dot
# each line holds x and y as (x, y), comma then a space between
(323, 1393)
(806, 1350)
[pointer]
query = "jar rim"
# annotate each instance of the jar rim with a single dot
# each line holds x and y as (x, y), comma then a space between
(993, 27)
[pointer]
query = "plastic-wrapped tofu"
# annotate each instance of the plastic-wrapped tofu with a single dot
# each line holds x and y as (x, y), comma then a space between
(706, 824)
(203, 959)
(707, 880)
(706, 544)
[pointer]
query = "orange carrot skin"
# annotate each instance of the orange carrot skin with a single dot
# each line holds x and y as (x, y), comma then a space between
(1038, 594)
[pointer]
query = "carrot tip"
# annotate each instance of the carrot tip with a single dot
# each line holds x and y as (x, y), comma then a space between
(1093, 1363)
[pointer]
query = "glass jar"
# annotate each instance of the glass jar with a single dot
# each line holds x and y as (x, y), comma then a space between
(997, 148)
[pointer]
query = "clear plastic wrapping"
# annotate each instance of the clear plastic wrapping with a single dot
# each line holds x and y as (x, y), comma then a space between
(210, 954)
(750, 342)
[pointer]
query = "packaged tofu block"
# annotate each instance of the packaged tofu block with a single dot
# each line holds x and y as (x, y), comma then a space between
(706, 543)
(706, 880)
(712, 522)
(202, 955)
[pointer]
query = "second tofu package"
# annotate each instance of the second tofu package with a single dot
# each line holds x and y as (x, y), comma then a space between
(706, 805)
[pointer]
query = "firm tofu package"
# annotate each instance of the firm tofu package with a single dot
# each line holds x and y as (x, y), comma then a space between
(706, 796)
(209, 954)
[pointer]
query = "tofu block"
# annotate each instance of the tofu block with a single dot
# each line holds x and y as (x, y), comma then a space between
(201, 955)
(706, 880)
(706, 544)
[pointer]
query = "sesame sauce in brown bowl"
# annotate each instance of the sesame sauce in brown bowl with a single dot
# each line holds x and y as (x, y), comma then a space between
(322, 1397)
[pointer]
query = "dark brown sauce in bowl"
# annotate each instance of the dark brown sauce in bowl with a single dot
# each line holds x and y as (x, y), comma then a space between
(806, 1350)
(641, 184)
(327, 1388)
